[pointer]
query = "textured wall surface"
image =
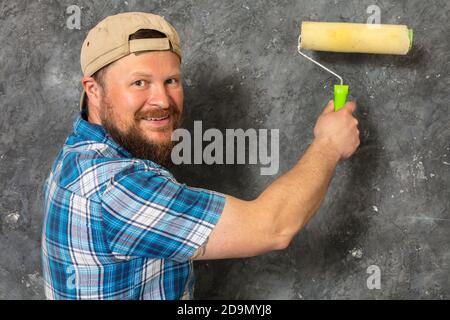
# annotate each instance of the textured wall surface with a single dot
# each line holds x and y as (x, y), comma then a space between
(388, 206)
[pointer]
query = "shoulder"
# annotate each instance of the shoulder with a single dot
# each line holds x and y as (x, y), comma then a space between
(88, 167)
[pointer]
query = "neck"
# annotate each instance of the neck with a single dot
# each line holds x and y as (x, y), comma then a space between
(93, 117)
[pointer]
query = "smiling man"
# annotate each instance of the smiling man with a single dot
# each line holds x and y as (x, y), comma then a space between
(117, 223)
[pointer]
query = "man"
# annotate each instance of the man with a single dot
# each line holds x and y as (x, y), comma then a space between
(118, 225)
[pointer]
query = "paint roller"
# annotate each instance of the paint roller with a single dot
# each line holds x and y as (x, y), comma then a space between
(354, 38)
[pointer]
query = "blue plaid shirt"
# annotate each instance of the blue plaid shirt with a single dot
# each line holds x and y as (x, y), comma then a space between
(117, 227)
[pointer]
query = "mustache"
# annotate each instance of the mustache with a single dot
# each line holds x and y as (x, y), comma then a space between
(158, 113)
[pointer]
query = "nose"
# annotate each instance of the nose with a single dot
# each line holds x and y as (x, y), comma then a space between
(159, 96)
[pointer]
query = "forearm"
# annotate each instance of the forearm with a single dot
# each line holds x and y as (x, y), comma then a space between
(293, 199)
(248, 228)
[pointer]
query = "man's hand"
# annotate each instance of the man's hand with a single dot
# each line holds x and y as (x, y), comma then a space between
(338, 129)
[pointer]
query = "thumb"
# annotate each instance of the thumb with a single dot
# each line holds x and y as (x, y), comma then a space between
(329, 108)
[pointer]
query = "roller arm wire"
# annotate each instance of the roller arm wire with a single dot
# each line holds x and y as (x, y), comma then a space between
(317, 63)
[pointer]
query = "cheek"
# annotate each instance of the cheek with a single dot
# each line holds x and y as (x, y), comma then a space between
(127, 104)
(131, 100)
(178, 98)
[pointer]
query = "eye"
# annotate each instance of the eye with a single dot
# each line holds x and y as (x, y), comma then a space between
(139, 83)
(171, 81)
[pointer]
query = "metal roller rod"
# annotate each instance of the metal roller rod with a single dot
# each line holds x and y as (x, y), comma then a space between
(317, 63)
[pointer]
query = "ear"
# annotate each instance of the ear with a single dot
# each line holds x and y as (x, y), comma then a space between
(93, 91)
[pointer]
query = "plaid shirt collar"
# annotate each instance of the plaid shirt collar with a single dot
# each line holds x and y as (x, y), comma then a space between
(94, 132)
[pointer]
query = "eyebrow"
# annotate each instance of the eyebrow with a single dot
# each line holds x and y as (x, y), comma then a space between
(149, 75)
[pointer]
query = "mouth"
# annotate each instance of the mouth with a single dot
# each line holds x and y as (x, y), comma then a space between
(157, 122)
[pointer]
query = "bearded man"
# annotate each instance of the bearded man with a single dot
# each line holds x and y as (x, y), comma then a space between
(117, 223)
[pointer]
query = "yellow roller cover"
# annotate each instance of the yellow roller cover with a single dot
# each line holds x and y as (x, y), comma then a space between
(356, 37)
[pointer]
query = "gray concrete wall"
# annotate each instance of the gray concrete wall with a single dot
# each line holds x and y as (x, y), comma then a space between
(388, 206)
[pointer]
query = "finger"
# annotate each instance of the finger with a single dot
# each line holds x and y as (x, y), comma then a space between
(350, 106)
(329, 108)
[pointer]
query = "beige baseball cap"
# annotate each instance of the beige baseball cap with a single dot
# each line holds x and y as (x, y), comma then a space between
(109, 41)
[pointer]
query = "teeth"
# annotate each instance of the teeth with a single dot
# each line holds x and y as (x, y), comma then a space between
(157, 119)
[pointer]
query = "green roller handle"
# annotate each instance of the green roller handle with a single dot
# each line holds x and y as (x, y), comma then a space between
(340, 96)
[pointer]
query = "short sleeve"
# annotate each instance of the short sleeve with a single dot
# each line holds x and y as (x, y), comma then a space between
(148, 214)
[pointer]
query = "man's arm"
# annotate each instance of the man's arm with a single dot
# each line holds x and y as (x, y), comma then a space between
(249, 228)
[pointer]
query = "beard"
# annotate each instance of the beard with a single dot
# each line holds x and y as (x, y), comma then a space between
(133, 138)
